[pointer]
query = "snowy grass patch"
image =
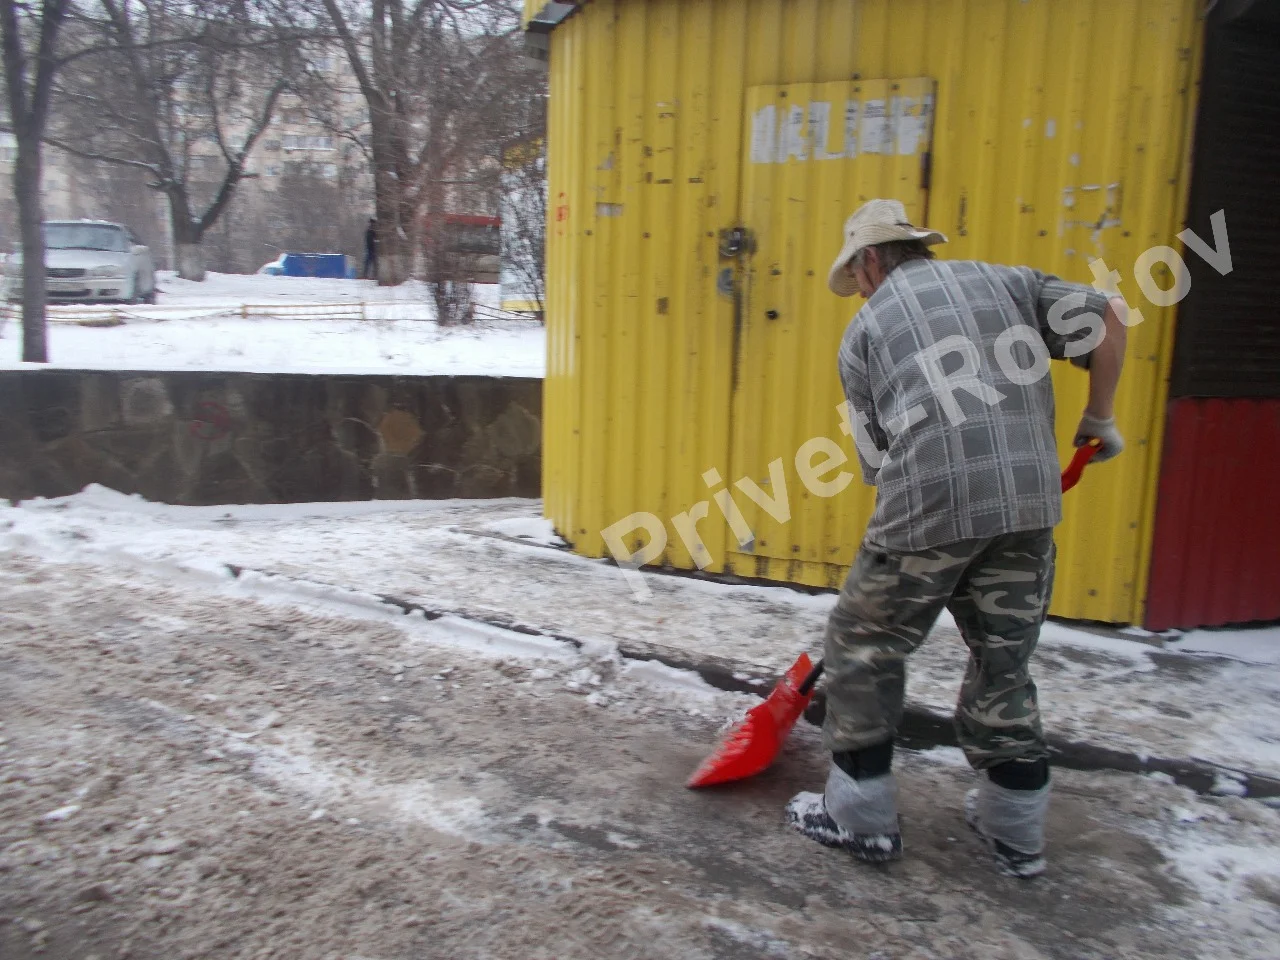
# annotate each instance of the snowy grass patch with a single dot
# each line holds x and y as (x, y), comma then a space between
(263, 324)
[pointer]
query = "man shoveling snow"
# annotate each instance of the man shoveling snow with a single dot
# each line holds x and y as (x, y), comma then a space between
(954, 425)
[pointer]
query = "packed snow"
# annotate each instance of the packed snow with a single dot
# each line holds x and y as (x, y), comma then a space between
(265, 324)
(1260, 646)
(497, 558)
(282, 761)
(537, 530)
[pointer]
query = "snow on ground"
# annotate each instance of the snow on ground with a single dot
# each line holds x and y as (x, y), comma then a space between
(194, 764)
(482, 558)
(294, 325)
(537, 530)
(1260, 647)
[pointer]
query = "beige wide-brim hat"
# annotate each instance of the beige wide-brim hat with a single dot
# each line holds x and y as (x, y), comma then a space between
(876, 221)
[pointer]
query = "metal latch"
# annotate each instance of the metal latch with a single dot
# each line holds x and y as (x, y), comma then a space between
(735, 241)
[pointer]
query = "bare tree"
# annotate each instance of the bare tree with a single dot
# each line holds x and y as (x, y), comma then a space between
(182, 91)
(492, 96)
(426, 69)
(524, 225)
(29, 35)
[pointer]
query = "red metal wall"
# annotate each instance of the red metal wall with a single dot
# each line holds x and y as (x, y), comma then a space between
(1216, 550)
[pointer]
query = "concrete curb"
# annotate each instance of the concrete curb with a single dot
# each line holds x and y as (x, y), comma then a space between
(921, 728)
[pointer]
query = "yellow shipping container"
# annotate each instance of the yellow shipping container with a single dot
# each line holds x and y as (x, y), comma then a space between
(703, 155)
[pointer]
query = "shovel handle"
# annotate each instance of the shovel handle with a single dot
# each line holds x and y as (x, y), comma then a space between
(1070, 477)
(811, 679)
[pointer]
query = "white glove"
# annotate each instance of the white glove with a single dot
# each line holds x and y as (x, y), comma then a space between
(1104, 430)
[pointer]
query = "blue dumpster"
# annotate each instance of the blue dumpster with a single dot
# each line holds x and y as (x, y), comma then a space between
(331, 265)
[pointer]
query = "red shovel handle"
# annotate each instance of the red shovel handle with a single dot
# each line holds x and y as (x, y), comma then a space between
(1071, 475)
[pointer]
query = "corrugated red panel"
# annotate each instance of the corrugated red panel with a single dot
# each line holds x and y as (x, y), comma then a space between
(1216, 550)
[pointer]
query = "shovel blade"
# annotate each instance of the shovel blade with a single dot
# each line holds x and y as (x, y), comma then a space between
(753, 744)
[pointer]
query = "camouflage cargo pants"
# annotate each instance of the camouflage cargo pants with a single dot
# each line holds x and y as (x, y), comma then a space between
(997, 589)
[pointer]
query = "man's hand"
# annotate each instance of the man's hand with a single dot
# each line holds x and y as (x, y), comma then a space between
(1097, 428)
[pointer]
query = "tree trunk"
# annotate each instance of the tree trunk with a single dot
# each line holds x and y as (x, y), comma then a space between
(395, 257)
(188, 253)
(190, 260)
(26, 188)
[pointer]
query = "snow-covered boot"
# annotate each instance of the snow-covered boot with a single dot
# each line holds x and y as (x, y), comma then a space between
(1011, 823)
(860, 816)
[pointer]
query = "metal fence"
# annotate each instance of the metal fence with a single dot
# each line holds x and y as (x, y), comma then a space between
(114, 315)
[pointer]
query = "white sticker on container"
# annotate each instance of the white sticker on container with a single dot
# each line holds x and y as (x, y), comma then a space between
(910, 126)
(820, 129)
(851, 110)
(764, 135)
(874, 123)
(796, 145)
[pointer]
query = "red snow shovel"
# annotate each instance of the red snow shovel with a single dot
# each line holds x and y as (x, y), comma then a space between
(755, 742)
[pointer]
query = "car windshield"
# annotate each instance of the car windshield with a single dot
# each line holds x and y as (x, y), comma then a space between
(84, 236)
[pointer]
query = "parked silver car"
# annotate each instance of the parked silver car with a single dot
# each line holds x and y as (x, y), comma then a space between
(87, 260)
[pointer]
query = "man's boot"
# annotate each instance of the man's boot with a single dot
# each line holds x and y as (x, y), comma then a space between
(1008, 811)
(858, 812)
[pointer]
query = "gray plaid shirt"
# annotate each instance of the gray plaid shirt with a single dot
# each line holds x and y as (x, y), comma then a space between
(946, 372)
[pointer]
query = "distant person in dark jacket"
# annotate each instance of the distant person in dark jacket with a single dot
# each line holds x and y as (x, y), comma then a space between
(371, 250)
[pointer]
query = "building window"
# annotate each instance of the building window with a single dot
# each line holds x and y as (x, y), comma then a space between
(273, 170)
(271, 145)
(297, 141)
(331, 170)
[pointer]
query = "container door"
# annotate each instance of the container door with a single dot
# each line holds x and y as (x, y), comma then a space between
(816, 152)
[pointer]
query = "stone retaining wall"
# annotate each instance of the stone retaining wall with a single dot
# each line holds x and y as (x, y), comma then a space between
(209, 438)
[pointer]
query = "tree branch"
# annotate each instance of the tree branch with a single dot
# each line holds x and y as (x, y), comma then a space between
(352, 50)
(235, 171)
(103, 157)
(143, 86)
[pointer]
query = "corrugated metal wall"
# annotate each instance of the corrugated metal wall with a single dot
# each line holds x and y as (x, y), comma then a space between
(1216, 546)
(1060, 134)
(1217, 539)
(1228, 342)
